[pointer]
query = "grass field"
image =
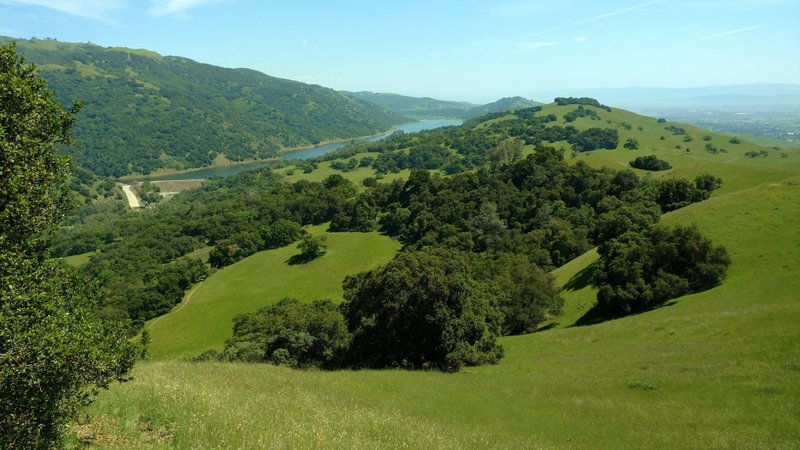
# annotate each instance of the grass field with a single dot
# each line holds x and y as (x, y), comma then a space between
(718, 369)
(203, 321)
(78, 260)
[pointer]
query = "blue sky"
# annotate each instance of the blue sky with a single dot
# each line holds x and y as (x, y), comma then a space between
(476, 50)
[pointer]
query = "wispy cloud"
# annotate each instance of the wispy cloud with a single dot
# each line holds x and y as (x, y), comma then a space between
(160, 8)
(592, 19)
(92, 9)
(728, 33)
(438, 55)
(581, 38)
(528, 46)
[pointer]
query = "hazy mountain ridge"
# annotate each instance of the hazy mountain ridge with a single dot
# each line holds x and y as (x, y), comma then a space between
(426, 107)
(144, 111)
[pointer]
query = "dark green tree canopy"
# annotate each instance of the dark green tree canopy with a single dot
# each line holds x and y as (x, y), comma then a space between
(422, 310)
(290, 333)
(641, 270)
(32, 174)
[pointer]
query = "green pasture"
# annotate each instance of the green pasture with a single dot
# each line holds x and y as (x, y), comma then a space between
(204, 319)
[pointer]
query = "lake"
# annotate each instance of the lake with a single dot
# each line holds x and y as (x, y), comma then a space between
(225, 171)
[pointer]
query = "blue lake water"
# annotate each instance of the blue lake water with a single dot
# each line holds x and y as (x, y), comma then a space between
(212, 172)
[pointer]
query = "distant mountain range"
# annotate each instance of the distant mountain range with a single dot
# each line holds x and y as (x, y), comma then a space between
(768, 94)
(427, 107)
(144, 111)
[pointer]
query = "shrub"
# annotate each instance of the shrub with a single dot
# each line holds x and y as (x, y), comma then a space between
(650, 162)
(631, 144)
(290, 333)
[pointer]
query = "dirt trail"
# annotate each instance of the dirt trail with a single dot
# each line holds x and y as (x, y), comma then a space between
(133, 200)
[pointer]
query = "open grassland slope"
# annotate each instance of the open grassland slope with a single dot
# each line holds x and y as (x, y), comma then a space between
(204, 319)
(718, 369)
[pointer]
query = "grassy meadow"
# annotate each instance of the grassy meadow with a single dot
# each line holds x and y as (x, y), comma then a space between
(204, 319)
(717, 369)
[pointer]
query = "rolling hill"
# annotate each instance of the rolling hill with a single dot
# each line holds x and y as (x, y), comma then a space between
(716, 369)
(145, 112)
(426, 107)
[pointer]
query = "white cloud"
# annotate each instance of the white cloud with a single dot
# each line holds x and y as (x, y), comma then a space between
(528, 46)
(93, 9)
(581, 38)
(161, 8)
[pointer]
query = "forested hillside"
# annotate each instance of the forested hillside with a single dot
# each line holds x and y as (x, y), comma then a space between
(144, 111)
(426, 107)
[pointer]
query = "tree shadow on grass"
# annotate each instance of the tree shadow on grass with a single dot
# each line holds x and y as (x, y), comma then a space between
(581, 279)
(596, 314)
(298, 259)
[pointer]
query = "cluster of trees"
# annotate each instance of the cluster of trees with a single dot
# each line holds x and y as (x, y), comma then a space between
(538, 208)
(650, 162)
(54, 353)
(422, 310)
(564, 101)
(640, 270)
(146, 112)
(580, 111)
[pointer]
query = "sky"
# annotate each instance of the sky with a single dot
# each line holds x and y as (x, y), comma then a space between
(472, 50)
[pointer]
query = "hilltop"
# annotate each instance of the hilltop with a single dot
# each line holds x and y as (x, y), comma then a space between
(144, 111)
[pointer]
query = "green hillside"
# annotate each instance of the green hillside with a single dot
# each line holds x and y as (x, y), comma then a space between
(145, 112)
(203, 321)
(417, 107)
(426, 107)
(719, 369)
(504, 104)
(715, 369)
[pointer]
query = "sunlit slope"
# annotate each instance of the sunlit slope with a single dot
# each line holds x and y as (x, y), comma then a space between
(719, 369)
(688, 159)
(204, 321)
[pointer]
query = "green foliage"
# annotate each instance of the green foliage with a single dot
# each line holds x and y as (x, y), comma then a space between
(290, 333)
(677, 131)
(54, 354)
(650, 162)
(631, 144)
(312, 247)
(707, 182)
(530, 297)
(422, 310)
(563, 101)
(639, 271)
(580, 111)
(146, 112)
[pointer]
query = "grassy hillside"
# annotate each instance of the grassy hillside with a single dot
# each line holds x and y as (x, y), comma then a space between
(204, 320)
(504, 104)
(719, 369)
(145, 111)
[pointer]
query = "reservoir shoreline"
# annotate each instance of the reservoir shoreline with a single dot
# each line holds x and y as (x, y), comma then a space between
(233, 167)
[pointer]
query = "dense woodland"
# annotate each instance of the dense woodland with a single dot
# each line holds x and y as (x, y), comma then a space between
(145, 111)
